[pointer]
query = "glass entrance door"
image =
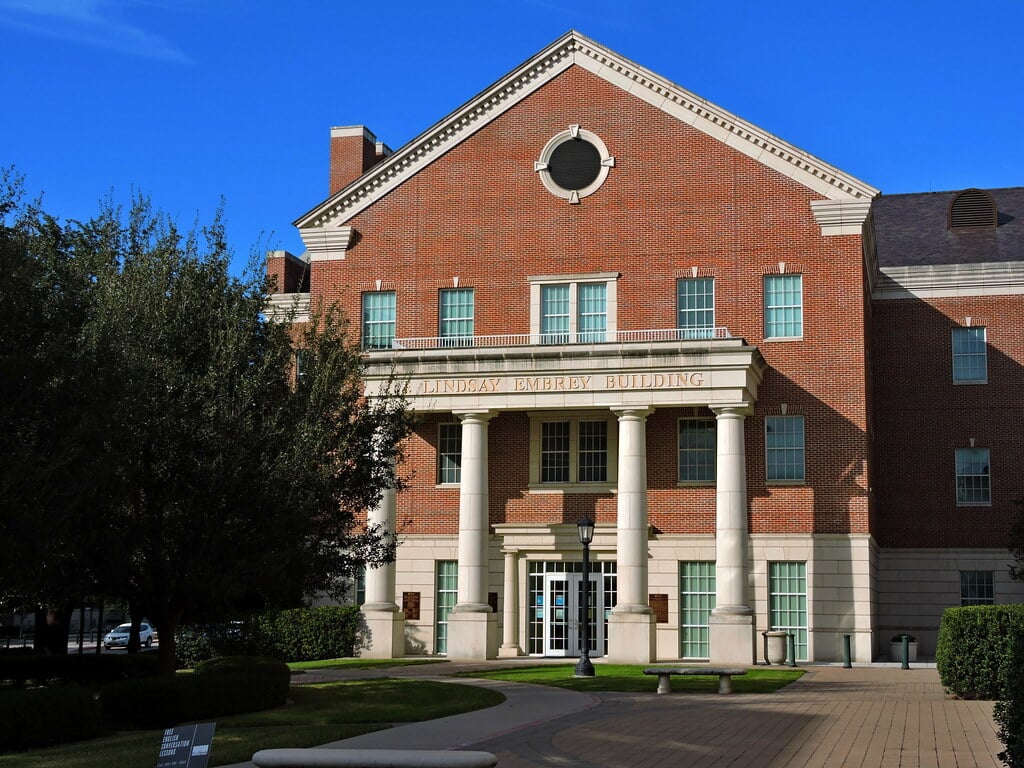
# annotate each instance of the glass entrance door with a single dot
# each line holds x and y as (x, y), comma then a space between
(563, 598)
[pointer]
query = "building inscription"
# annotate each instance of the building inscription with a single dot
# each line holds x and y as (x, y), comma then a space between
(582, 383)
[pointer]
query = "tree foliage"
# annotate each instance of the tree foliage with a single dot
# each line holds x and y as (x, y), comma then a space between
(166, 455)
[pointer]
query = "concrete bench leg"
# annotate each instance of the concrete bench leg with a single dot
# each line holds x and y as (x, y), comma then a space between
(725, 683)
(664, 683)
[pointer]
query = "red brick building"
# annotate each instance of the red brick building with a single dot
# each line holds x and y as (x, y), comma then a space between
(612, 300)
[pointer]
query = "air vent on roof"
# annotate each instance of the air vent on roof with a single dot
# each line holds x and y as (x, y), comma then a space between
(972, 208)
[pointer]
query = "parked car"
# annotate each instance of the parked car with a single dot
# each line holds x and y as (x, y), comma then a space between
(118, 636)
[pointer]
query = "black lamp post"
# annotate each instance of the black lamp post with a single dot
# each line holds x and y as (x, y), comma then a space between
(584, 668)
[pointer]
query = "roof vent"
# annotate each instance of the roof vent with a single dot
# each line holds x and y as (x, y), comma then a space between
(972, 208)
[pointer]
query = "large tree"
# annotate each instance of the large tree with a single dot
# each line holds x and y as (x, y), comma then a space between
(216, 481)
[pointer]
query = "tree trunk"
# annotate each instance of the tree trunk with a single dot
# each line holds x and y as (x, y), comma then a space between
(53, 625)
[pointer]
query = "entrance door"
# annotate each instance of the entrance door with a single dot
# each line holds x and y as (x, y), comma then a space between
(563, 593)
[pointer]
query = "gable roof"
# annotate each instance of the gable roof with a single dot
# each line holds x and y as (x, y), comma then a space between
(574, 49)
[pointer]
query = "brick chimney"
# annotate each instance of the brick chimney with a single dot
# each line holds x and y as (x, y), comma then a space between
(354, 151)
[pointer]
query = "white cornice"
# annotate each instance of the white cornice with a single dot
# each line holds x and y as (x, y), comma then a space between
(575, 49)
(288, 307)
(840, 217)
(326, 243)
(950, 280)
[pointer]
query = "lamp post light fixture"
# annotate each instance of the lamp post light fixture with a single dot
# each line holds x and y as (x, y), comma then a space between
(584, 668)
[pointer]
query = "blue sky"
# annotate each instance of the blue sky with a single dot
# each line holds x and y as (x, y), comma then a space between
(189, 101)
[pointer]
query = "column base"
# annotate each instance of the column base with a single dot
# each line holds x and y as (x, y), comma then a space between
(472, 636)
(509, 652)
(631, 638)
(732, 639)
(386, 630)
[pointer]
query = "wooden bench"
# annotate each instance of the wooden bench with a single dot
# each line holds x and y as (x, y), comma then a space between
(725, 675)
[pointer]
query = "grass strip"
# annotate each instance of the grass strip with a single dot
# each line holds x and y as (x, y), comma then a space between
(318, 714)
(360, 663)
(630, 678)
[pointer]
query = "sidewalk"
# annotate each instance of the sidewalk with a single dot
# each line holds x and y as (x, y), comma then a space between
(866, 716)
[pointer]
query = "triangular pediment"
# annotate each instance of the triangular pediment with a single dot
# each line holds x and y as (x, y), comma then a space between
(574, 49)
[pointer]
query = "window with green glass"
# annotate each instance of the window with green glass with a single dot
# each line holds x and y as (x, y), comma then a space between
(697, 450)
(554, 452)
(695, 302)
(787, 602)
(973, 477)
(970, 356)
(379, 309)
(783, 306)
(696, 601)
(455, 312)
(449, 453)
(784, 448)
(446, 597)
(554, 314)
(591, 312)
(593, 453)
(976, 588)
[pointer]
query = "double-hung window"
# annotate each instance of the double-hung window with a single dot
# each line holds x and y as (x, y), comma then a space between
(576, 451)
(970, 359)
(573, 309)
(976, 588)
(783, 307)
(784, 449)
(973, 477)
(697, 450)
(455, 316)
(379, 310)
(449, 453)
(695, 302)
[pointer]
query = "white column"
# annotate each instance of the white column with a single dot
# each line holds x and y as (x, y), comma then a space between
(732, 620)
(510, 610)
(473, 515)
(384, 623)
(631, 624)
(472, 626)
(380, 581)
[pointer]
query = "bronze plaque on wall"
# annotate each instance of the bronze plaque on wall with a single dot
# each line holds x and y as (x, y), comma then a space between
(411, 605)
(659, 604)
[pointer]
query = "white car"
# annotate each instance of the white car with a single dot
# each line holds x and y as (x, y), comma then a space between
(118, 636)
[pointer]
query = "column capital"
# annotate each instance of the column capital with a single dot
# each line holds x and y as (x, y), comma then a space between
(510, 551)
(476, 414)
(734, 410)
(638, 412)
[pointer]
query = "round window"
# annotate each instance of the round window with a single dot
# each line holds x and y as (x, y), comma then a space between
(574, 164)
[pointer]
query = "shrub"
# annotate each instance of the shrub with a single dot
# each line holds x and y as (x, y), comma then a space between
(18, 670)
(44, 716)
(219, 687)
(973, 654)
(1009, 712)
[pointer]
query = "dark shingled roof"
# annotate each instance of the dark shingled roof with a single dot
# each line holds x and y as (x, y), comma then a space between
(910, 230)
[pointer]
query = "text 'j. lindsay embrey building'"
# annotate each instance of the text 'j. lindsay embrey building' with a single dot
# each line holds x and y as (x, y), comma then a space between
(788, 402)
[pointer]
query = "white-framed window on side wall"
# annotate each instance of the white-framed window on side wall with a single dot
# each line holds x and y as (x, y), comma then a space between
(783, 306)
(787, 602)
(445, 598)
(697, 598)
(449, 453)
(697, 450)
(784, 449)
(455, 309)
(976, 588)
(379, 319)
(695, 307)
(573, 452)
(970, 355)
(574, 309)
(973, 477)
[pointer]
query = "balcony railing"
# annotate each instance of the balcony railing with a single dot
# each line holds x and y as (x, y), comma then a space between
(553, 339)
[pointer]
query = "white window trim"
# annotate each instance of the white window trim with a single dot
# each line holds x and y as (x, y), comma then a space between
(437, 471)
(574, 418)
(610, 279)
(695, 483)
(764, 308)
(956, 478)
(769, 481)
(952, 356)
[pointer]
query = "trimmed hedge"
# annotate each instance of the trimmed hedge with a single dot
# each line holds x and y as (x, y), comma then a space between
(1009, 712)
(300, 634)
(44, 716)
(220, 687)
(20, 669)
(974, 651)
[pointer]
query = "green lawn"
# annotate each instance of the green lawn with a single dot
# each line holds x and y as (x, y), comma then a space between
(631, 678)
(320, 714)
(359, 663)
